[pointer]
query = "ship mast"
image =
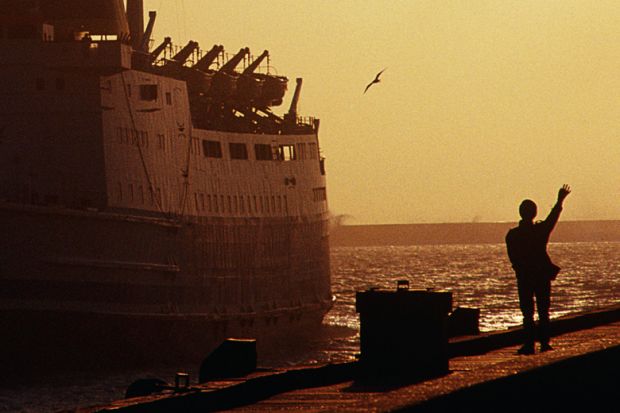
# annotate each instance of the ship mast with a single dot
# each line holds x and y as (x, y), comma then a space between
(135, 17)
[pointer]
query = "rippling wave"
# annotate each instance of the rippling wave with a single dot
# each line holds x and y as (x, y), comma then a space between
(479, 276)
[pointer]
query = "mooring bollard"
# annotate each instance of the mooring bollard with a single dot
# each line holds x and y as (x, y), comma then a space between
(403, 332)
(235, 357)
(181, 381)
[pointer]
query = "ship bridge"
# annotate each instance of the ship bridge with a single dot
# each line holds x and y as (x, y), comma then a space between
(64, 19)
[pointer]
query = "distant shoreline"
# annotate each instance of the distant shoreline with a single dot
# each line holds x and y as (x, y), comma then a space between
(465, 233)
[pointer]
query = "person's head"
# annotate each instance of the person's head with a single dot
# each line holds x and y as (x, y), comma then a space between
(527, 210)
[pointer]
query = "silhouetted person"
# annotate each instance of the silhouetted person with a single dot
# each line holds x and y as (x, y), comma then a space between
(527, 250)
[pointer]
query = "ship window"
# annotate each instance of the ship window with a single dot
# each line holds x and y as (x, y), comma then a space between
(127, 136)
(319, 194)
(286, 153)
(132, 138)
(168, 98)
(144, 139)
(209, 203)
(40, 83)
(249, 205)
(222, 203)
(313, 150)
(215, 204)
(162, 141)
(230, 208)
(263, 152)
(301, 149)
(212, 149)
(238, 151)
(104, 37)
(242, 204)
(148, 92)
(141, 192)
(130, 186)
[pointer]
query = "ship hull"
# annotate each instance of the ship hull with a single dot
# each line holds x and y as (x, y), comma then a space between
(41, 343)
(144, 215)
(87, 289)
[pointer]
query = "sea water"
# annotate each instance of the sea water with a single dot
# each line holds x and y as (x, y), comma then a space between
(478, 275)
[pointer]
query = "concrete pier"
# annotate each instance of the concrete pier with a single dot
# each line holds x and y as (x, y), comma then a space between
(581, 372)
(486, 374)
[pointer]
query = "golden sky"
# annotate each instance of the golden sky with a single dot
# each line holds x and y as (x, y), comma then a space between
(483, 103)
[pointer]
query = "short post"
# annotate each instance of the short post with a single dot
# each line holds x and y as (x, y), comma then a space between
(181, 381)
(403, 332)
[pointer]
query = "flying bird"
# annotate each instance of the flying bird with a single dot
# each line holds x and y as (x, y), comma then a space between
(376, 80)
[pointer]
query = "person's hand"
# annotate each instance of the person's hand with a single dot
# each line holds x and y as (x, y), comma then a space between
(563, 192)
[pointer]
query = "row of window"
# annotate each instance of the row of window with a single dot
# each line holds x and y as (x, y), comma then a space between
(225, 204)
(133, 137)
(146, 92)
(241, 205)
(262, 152)
(320, 194)
(138, 194)
(236, 150)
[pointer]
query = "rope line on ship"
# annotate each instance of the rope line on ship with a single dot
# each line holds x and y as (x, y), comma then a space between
(185, 174)
(185, 170)
(142, 160)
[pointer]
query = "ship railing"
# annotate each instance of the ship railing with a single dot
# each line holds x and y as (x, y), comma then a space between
(308, 121)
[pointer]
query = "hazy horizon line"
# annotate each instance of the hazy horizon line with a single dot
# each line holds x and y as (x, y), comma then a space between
(470, 222)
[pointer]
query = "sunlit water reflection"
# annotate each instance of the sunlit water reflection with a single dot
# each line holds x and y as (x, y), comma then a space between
(479, 276)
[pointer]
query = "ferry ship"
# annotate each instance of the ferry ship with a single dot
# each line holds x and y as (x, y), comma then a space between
(151, 201)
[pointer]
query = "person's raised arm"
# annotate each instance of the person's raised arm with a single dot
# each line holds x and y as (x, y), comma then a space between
(554, 215)
(562, 194)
